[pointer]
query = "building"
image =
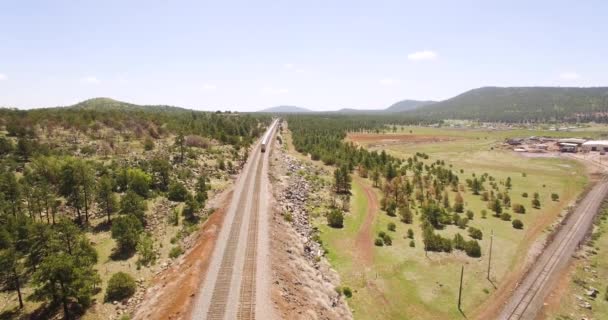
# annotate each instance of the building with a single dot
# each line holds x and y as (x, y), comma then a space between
(596, 145)
(568, 147)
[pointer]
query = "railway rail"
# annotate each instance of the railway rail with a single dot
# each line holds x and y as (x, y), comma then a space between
(229, 289)
(528, 297)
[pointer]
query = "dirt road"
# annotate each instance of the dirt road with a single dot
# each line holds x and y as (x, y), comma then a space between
(365, 236)
(236, 285)
(528, 298)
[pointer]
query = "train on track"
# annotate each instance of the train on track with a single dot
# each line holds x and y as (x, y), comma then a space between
(268, 135)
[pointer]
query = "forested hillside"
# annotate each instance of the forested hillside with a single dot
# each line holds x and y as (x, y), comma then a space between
(105, 184)
(518, 104)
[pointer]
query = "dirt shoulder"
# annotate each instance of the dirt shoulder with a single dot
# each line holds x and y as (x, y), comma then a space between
(304, 284)
(173, 290)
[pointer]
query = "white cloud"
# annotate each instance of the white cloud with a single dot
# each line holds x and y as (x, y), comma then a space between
(91, 80)
(209, 87)
(3, 77)
(388, 82)
(273, 90)
(569, 76)
(422, 55)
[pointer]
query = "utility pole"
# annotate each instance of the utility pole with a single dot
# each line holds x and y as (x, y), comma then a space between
(490, 255)
(460, 290)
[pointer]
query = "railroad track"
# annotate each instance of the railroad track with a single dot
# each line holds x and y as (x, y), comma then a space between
(231, 285)
(535, 283)
(246, 309)
(221, 290)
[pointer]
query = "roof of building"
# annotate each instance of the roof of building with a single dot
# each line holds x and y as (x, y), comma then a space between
(596, 143)
(565, 144)
(572, 140)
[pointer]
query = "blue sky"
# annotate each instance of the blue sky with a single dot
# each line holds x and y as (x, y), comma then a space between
(248, 55)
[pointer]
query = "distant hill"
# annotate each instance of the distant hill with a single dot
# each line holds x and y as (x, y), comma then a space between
(400, 106)
(108, 104)
(286, 109)
(407, 105)
(519, 104)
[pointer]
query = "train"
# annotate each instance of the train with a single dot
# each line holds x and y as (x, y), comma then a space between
(266, 139)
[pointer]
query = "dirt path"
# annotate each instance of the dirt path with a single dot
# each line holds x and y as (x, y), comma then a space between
(364, 240)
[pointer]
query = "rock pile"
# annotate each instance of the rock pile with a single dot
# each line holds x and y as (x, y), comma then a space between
(293, 200)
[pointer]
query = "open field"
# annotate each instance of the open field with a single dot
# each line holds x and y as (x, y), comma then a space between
(429, 283)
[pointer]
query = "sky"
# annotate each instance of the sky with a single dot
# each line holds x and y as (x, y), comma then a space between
(323, 55)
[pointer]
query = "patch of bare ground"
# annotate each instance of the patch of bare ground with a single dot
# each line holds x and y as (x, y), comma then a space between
(376, 139)
(365, 240)
(172, 291)
(303, 283)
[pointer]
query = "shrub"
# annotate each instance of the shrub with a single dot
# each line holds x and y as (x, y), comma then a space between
(288, 217)
(406, 214)
(149, 144)
(120, 286)
(470, 214)
(378, 242)
(484, 213)
(335, 219)
(536, 203)
(412, 244)
(347, 292)
(391, 226)
(505, 216)
(145, 248)
(410, 233)
(517, 224)
(473, 249)
(177, 192)
(176, 252)
(462, 223)
(519, 208)
(554, 196)
(387, 240)
(525, 194)
(475, 233)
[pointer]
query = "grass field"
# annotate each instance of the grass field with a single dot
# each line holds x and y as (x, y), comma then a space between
(403, 282)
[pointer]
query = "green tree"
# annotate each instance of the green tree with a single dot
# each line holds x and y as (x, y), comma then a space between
(120, 286)
(132, 204)
(201, 189)
(62, 278)
(11, 269)
(161, 171)
(180, 142)
(145, 248)
(139, 181)
(11, 190)
(106, 199)
(191, 207)
(496, 207)
(517, 224)
(177, 192)
(126, 230)
(406, 214)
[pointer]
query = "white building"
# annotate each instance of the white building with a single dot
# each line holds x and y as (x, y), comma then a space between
(596, 145)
